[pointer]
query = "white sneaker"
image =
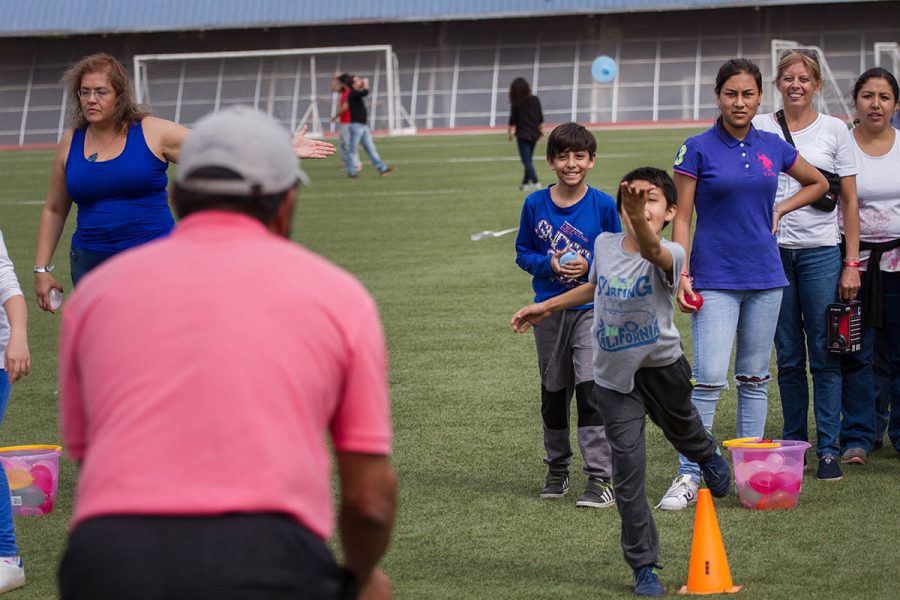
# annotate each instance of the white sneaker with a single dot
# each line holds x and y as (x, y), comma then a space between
(12, 573)
(681, 494)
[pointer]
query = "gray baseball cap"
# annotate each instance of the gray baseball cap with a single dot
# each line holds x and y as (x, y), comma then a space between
(246, 141)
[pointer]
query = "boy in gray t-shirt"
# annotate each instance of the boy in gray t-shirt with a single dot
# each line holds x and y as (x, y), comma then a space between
(639, 367)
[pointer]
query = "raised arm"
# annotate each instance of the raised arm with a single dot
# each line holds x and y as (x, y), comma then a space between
(53, 219)
(634, 202)
(164, 137)
(368, 507)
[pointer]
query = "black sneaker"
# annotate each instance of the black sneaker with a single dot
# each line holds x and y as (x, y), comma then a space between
(646, 581)
(387, 171)
(716, 475)
(829, 468)
(598, 494)
(556, 486)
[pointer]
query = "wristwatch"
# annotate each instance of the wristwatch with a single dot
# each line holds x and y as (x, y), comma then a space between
(44, 269)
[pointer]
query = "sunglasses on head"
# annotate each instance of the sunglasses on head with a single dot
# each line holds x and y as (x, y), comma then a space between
(803, 51)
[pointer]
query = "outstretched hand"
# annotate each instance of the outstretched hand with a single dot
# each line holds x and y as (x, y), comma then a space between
(529, 316)
(634, 200)
(306, 147)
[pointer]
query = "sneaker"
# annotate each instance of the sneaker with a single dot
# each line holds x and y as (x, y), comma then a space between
(556, 486)
(855, 456)
(12, 573)
(646, 581)
(716, 475)
(387, 171)
(829, 469)
(598, 494)
(681, 494)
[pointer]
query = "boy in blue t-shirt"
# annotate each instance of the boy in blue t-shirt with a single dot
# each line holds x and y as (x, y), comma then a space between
(15, 362)
(566, 218)
(639, 367)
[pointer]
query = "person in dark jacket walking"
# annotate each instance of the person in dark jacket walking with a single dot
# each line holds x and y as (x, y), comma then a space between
(526, 121)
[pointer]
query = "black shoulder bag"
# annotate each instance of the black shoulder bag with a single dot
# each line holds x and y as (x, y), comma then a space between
(829, 201)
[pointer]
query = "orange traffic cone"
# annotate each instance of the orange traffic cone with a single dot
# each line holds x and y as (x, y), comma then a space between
(708, 571)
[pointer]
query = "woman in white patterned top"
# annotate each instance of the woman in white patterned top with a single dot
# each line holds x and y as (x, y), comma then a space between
(877, 147)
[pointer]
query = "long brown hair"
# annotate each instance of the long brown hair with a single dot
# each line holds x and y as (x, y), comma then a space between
(519, 91)
(126, 111)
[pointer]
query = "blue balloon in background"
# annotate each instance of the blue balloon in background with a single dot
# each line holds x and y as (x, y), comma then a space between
(604, 69)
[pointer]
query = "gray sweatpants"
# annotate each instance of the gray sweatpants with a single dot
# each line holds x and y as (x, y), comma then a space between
(663, 394)
(565, 360)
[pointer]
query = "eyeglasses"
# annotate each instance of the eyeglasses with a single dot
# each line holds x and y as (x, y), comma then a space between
(100, 93)
(811, 54)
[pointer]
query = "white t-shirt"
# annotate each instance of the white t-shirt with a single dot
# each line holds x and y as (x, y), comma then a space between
(9, 287)
(825, 144)
(878, 187)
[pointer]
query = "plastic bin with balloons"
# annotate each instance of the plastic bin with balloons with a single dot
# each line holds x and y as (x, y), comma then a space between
(33, 475)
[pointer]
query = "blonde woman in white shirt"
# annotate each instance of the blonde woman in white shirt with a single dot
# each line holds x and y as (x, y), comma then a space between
(877, 149)
(817, 273)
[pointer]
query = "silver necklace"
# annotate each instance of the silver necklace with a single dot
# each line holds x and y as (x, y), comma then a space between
(93, 157)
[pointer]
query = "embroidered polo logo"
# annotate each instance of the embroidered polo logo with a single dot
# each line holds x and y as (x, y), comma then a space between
(767, 165)
(679, 156)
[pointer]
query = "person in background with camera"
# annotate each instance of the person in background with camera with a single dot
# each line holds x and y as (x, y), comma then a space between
(877, 147)
(817, 273)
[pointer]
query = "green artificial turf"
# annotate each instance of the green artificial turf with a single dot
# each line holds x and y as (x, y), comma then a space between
(465, 394)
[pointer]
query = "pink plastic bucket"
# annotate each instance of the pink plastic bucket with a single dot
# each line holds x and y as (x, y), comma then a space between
(33, 475)
(768, 478)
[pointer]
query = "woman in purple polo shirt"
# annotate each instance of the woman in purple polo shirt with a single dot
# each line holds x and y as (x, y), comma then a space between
(730, 173)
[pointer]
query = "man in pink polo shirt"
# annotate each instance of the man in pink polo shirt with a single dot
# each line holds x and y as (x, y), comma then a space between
(200, 376)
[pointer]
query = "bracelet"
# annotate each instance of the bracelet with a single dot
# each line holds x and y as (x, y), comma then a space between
(851, 263)
(687, 275)
(44, 269)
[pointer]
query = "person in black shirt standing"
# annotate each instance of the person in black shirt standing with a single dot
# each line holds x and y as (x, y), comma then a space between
(526, 119)
(359, 127)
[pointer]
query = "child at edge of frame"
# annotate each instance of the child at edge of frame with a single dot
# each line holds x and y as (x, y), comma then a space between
(555, 245)
(639, 366)
(15, 362)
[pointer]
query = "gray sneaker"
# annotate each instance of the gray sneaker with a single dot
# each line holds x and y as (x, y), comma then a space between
(598, 494)
(556, 486)
(855, 456)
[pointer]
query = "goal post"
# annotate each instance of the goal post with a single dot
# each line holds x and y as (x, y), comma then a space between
(831, 100)
(292, 85)
(887, 56)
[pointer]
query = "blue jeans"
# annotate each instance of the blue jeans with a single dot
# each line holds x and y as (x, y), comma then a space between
(750, 317)
(8, 545)
(81, 261)
(359, 132)
(347, 157)
(858, 393)
(526, 151)
(813, 276)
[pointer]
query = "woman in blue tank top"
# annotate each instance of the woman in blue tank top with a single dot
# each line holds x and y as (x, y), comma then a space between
(112, 164)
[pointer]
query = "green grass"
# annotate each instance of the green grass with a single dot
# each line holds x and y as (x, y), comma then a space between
(465, 397)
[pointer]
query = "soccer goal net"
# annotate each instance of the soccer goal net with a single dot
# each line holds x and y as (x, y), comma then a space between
(831, 100)
(887, 56)
(294, 85)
